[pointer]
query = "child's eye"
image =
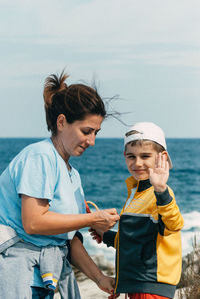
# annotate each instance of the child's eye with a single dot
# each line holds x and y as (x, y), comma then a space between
(131, 157)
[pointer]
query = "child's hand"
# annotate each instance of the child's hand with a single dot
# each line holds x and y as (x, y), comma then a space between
(106, 284)
(159, 175)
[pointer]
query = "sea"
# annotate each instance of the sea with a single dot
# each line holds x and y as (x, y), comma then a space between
(103, 173)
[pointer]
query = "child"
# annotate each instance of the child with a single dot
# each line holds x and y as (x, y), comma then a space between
(148, 242)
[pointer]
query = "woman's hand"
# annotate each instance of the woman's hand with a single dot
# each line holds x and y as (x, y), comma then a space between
(105, 219)
(106, 283)
(113, 296)
(160, 174)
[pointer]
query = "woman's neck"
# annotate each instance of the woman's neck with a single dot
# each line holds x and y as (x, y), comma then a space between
(60, 149)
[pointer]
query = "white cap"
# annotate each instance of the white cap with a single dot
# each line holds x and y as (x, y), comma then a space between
(148, 131)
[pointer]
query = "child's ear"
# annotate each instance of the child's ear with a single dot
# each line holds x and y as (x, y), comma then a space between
(165, 154)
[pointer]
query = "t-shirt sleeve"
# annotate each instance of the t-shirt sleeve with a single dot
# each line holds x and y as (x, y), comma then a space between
(35, 176)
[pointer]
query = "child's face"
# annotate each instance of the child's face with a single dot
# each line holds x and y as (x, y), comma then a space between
(139, 158)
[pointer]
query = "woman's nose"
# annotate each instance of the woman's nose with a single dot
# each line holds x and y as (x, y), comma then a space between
(91, 140)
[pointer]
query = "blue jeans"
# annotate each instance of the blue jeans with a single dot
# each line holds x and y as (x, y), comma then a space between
(16, 273)
(41, 293)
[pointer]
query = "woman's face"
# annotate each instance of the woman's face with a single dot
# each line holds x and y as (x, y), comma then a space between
(73, 139)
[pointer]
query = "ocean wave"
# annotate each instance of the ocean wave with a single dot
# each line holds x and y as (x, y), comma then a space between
(190, 231)
(101, 249)
(188, 241)
(191, 221)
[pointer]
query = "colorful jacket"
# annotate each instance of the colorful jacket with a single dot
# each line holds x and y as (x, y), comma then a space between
(148, 242)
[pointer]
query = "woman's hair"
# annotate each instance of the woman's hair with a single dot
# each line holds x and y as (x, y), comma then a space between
(75, 101)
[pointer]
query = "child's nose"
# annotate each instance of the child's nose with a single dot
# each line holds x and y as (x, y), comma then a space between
(138, 161)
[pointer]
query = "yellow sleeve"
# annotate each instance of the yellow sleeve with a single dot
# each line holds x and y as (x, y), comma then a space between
(169, 213)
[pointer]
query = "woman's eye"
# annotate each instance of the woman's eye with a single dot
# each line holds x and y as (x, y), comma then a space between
(86, 132)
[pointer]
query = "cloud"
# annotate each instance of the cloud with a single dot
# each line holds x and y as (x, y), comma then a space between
(116, 22)
(143, 50)
(117, 31)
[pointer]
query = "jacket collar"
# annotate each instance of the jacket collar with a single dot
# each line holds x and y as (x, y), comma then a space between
(143, 185)
(140, 185)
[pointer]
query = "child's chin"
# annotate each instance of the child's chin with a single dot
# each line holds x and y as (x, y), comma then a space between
(141, 177)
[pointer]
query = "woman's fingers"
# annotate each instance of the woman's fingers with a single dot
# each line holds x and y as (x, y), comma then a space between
(105, 219)
(113, 216)
(112, 211)
(106, 284)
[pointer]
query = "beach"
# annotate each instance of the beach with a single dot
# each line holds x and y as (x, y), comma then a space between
(89, 290)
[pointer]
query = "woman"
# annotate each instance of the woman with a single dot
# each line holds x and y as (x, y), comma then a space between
(42, 201)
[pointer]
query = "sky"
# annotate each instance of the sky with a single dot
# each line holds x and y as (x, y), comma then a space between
(145, 52)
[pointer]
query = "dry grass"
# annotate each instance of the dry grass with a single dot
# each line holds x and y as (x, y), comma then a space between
(189, 286)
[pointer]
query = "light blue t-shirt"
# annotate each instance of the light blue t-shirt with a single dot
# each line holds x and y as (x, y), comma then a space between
(39, 171)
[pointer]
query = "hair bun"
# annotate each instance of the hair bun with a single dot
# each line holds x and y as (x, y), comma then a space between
(54, 84)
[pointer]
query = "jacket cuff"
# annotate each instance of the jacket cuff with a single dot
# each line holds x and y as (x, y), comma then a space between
(163, 198)
(109, 238)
